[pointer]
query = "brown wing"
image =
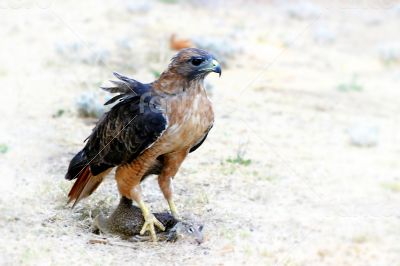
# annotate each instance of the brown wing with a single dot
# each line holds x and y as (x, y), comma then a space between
(120, 136)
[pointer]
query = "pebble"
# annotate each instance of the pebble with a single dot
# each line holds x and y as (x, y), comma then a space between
(137, 6)
(302, 10)
(91, 104)
(389, 52)
(77, 52)
(323, 34)
(364, 135)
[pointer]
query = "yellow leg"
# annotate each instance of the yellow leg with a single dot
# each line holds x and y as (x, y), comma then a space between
(171, 165)
(172, 207)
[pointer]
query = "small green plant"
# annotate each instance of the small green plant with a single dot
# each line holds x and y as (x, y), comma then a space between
(360, 239)
(240, 156)
(156, 73)
(227, 169)
(59, 113)
(394, 187)
(353, 85)
(169, 1)
(239, 160)
(3, 148)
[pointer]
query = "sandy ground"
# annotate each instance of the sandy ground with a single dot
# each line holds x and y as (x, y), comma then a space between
(279, 180)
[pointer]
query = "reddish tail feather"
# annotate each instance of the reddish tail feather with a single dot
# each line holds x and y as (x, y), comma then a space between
(84, 186)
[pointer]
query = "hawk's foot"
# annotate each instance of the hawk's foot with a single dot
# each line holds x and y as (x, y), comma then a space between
(149, 221)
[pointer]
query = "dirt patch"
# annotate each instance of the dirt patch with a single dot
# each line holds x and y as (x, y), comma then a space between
(279, 181)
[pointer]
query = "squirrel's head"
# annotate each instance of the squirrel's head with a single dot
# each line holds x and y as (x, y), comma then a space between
(187, 232)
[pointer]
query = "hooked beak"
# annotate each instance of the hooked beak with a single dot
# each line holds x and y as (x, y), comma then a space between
(212, 66)
(216, 67)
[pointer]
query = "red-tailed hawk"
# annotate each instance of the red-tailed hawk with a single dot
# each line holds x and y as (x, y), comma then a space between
(150, 130)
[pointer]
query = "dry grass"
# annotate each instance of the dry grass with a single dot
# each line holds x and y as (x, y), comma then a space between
(276, 183)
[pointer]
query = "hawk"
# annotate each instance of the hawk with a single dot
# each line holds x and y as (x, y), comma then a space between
(151, 129)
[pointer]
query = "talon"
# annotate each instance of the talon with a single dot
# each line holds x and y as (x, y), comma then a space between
(150, 221)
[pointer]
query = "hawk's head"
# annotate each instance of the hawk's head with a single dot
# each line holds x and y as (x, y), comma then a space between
(193, 63)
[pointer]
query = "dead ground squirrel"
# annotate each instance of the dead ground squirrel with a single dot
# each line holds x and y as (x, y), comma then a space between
(127, 221)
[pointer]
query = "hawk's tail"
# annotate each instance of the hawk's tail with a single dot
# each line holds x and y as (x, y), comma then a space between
(77, 165)
(86, 182)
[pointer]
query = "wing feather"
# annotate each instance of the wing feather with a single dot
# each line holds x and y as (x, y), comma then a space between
(126, 85)
(123, 133)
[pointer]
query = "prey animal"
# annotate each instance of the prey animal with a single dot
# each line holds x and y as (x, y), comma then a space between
(151, 129)
(126, 221)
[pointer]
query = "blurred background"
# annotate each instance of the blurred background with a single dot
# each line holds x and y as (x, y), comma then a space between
(301, 167)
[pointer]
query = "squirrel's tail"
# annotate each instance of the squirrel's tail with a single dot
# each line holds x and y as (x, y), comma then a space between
(100, 222)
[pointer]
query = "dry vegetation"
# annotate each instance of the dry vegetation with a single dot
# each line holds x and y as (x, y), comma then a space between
(301, 168)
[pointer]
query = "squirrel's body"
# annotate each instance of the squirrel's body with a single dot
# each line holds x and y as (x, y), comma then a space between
(127, 221)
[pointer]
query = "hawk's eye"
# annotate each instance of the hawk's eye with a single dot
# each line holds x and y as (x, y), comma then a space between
(196, 61)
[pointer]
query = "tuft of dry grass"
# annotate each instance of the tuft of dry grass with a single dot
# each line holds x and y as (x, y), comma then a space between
(276, 182)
